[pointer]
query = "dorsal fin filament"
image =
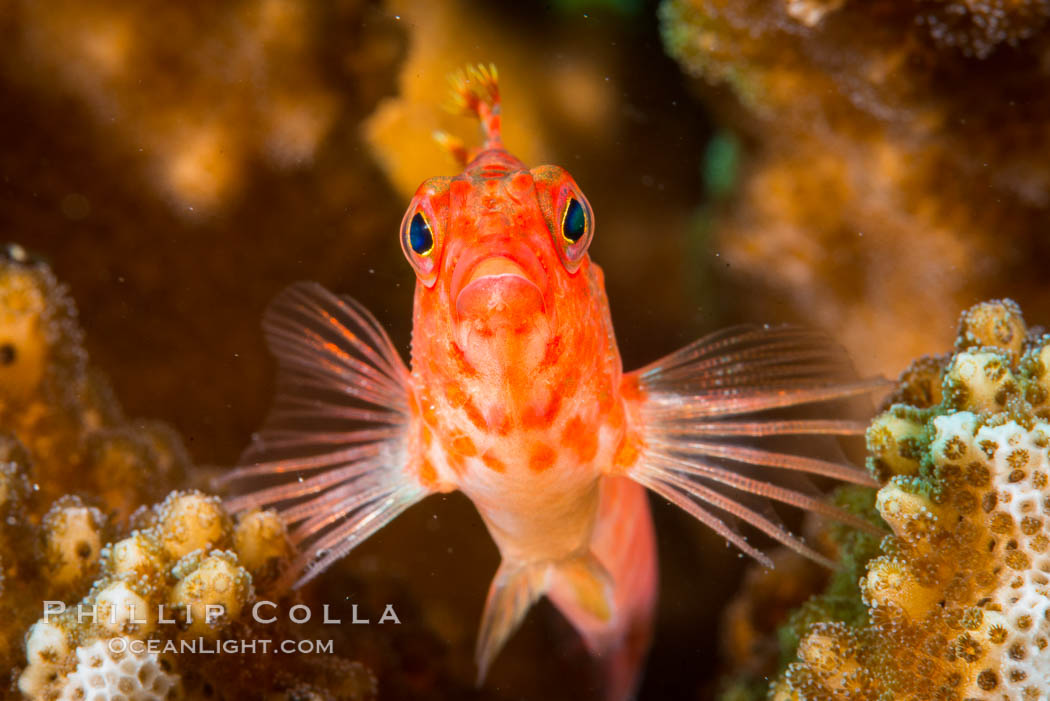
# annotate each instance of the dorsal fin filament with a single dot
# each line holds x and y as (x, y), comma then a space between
(475, 92)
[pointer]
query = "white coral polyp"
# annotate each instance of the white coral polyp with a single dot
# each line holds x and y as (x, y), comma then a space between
(105, 675)
(1019, 469)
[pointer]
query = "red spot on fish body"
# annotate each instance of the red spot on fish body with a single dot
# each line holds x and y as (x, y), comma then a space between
(580, 439)
(475, 415)
(457, 396)
(542, 457)
(460, 189)
(628, 451)
(631, 388)
(493, 463)
(427, 473)
(463, 445)
(553, 352)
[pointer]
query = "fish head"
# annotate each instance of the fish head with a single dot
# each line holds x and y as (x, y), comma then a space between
(500, 252)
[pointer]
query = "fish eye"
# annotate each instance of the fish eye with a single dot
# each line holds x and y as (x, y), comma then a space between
(420, 236)
(568, 214)
(573, 221)
(422, 232)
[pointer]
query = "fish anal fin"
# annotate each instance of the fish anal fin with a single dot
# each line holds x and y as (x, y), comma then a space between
(514, 590)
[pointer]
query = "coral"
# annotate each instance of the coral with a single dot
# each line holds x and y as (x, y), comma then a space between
(74, 475)
(63, 412)
(200, 128)
(261, 543)
(763, 600)
(191, 521)
(49, 658)
(110, 672)
(797, 594)
(956, 602)
(71, 466)
(73, 537)
(179, 577)
(889, 145)
(215, 582)
(15, 494)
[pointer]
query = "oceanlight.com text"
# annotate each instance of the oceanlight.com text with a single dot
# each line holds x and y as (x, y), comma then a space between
(202, 646)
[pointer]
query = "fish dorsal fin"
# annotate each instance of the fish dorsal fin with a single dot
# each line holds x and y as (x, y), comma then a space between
(475, 92)
(707, 408)
(332, 456)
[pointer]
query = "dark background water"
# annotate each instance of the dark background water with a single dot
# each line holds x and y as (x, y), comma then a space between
(171, 269)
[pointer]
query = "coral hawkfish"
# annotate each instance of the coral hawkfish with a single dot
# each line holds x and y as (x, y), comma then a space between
(517, 397)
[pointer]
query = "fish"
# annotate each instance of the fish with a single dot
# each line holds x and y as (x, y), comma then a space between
(516, 396)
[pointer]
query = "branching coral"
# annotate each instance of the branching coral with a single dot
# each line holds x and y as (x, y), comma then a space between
(957, 603)
(889, 144)
(150, 69)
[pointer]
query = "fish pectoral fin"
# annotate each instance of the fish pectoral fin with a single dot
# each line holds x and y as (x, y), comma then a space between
(584, 583)
(709, 412)
(514, 590)
(332, 457)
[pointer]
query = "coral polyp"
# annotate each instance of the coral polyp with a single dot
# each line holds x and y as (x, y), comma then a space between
(186, 577)
(112, 672)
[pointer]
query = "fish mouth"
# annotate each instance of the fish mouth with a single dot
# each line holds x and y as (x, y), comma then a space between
(498, 286)
(496, 266)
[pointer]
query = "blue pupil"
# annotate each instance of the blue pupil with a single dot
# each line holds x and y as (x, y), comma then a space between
(420, 237)
(574, 224)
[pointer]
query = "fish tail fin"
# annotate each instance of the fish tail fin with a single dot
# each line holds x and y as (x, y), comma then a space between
(706, 410)
(624, 548)
(332, 457)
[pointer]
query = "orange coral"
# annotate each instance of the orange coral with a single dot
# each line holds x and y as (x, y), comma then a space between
(894, 146)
